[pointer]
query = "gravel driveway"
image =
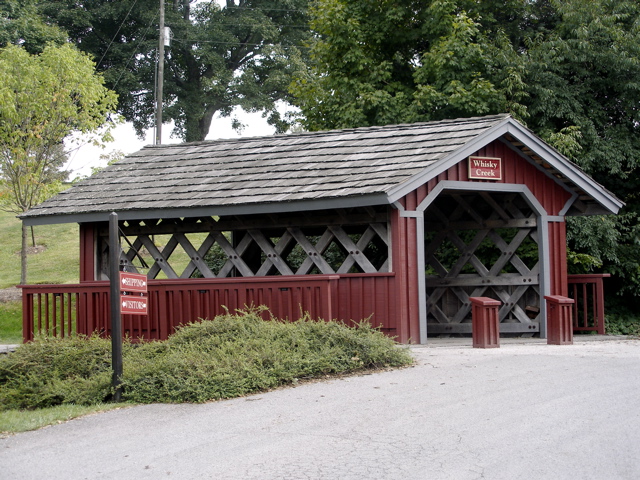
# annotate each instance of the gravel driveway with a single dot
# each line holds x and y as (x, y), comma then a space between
(524, 411)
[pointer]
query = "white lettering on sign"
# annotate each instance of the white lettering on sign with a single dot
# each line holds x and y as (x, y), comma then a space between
(134, 282)
(484, 163)
(485, 168)
(134, 304)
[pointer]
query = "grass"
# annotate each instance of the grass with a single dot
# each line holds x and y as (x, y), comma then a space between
(10, 322)
(58, 263)
(17, 421)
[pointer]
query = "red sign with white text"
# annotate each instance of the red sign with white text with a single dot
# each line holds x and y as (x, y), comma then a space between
(485, 168)
(133, 282)
(133, 305)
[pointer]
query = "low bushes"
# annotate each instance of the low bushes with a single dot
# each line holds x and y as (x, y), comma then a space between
(232, 355)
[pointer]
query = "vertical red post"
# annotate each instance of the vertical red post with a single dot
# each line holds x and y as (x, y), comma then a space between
(559, 320)
(28, 320)
(485, 322)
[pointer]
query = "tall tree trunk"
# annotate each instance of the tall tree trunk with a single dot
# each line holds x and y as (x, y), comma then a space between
(23, 255)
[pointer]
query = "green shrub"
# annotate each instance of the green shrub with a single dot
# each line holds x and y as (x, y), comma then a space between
(230, 356)
(620, 324)
(53, 371)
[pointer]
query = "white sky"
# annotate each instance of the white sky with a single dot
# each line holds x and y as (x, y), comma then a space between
(82, 159)
(126, 140)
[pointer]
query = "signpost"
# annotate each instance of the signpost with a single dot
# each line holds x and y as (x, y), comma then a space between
(116, 322)
(128, 296)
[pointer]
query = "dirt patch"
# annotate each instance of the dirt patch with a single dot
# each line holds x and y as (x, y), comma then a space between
(10, 294)
(34, 250)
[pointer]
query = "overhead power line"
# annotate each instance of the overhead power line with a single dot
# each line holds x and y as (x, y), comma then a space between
(116, 34)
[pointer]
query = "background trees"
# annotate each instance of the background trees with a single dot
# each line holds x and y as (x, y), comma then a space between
(241, 55)
(43, 99)
(22, 24)
(375, 63)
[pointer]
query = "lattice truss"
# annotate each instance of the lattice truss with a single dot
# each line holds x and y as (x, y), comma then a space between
(218, 248)
(482, 245)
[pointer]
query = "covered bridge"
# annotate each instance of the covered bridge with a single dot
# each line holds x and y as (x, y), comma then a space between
(401, 224)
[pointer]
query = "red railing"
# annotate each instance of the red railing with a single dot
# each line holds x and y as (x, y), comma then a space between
(588, 310)
(63, 310)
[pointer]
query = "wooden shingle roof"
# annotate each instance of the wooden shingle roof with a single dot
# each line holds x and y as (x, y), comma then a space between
(361, 166)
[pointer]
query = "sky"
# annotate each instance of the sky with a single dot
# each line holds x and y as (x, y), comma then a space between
(87, 156)
(82, 159)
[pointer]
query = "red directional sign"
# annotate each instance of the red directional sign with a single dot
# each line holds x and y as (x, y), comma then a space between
(133, 305)
(133, 282)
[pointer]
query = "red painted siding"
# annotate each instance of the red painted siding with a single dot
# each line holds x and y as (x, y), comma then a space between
(404, 258)
(87, 252)
(371, 296)
(558, 258)
(516, 170)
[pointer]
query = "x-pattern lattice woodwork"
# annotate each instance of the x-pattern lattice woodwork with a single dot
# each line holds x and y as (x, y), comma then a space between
(481, 244)
(349, 242)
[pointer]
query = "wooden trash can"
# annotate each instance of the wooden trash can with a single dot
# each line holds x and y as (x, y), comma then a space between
(559, 320)
(485, 322)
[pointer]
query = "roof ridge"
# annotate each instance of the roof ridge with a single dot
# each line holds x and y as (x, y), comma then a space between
(404, 126)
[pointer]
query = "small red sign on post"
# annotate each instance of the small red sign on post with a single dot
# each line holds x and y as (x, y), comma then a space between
(133, 305)
(485, 168)
(133, 282)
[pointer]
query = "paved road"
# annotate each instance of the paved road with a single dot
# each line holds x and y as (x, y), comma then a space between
(524, 411)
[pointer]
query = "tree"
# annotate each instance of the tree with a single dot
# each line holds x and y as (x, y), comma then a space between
(21, 24)
(375, 63)
(241, 55)
(43, 99)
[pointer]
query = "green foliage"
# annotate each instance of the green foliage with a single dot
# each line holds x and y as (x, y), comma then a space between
(16, 421)
(52, 371)
(43, 99)
(402, 61)
(583, 78)
(613, 244)
(622, 321)
(569, 69)
(20, 24)
(241, 55)
(230, 356)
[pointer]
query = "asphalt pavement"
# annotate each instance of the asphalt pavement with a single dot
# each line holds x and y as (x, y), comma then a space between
(524, 411)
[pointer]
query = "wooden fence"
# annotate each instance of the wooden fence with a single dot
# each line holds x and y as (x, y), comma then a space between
(64, 310)
(588, 310)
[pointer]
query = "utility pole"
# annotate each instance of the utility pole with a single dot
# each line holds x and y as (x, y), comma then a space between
(160, 79)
